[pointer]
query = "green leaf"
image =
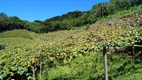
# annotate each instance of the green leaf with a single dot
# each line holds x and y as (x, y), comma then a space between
(111, 48)
(117, 47)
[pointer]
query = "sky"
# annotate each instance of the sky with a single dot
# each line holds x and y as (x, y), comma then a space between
(43, 9)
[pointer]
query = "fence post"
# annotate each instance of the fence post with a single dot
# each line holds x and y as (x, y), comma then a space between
(34, 73)
(105, 63)
(40, 68)
(133, 52)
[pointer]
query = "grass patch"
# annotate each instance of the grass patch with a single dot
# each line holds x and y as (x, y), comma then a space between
(16, 42)
(16, 34)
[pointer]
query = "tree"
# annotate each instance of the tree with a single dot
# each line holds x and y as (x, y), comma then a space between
(135, 2)
(120, 4)
(101, 10)
(3, 15)
(38, 21)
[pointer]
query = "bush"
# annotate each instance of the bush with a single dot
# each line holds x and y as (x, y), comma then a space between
(2, 46)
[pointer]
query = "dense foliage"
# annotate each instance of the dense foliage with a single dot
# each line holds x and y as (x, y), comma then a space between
(21, 62)
(1, 46)
(69, 20)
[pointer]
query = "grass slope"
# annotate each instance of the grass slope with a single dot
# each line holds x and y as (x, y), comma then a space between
(16, 34)
(16, 38)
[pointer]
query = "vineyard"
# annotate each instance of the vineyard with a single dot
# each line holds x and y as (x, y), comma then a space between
(72, 55)
(27, 60)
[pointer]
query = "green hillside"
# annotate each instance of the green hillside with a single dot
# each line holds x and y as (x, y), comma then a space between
(75, 53)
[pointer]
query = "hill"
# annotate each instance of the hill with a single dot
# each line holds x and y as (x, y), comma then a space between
(76, 54)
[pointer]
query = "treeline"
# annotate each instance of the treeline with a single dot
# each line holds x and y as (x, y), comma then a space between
(69, 20)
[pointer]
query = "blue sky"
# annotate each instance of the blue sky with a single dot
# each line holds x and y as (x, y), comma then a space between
(42, 9)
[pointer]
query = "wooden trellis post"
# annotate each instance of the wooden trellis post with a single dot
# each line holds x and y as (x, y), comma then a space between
(40, 67)
(104, 52)
(105, 63)
(34, 72)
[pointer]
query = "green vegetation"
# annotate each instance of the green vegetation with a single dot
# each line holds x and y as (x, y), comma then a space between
(74, 54)
(16, 34)
(16, 38)
(86, 67)
(15, 42)
(1, 46)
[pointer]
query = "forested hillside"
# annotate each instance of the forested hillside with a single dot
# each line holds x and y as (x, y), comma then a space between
(67, 21)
